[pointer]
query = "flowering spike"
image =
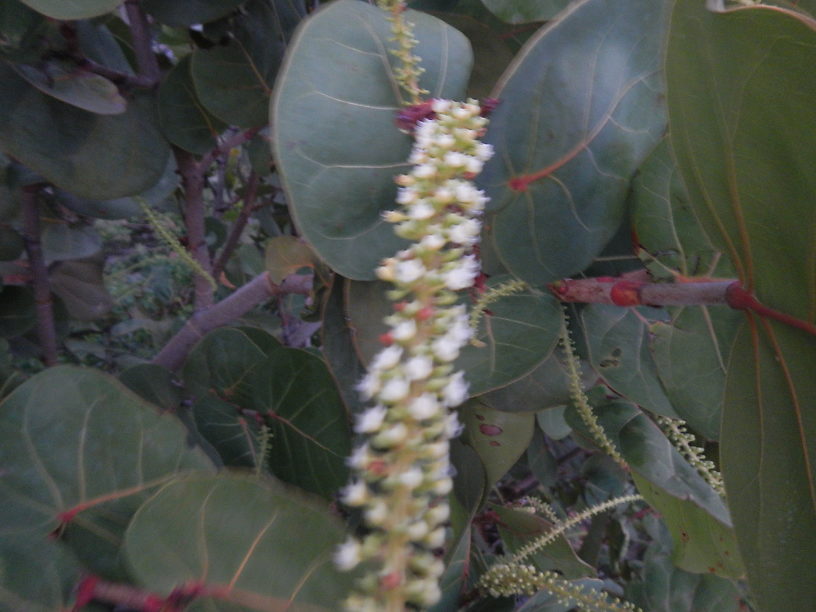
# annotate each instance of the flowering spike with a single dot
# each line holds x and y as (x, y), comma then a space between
(402, 471)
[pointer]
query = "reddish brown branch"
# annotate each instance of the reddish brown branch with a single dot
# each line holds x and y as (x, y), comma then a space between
(627, 292)
(46, 329)
(255, 292)
(142, 41)
(93, 588)
(239, 225)
(192, 181)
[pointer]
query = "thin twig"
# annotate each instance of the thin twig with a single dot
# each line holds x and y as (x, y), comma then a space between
(46, 330)
(227, 144)
(238, 226)
(255, 292)
(192, 180)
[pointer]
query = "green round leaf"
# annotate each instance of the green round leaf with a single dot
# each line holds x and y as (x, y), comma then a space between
(251, 543)
(183, 119)
(60, 241)
(581, 108)
(73, 9)
(240, 377)
(93, 156)
(334, 137)
(81, 287)
(36, 574)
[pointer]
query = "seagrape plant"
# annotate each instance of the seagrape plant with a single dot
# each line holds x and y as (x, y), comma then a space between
(444, 305)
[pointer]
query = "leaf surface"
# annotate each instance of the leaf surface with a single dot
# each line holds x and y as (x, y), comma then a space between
(73, 9)
(738, 102)
(251, 543)
(582, 106)
(334, 137)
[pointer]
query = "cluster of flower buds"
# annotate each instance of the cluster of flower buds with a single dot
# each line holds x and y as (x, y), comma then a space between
(402, 473)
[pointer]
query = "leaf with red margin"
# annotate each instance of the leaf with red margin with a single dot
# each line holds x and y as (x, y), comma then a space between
(581, 107)
(741, 93)
(79, 452)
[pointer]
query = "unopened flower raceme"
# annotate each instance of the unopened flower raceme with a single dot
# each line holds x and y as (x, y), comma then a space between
(402, 472)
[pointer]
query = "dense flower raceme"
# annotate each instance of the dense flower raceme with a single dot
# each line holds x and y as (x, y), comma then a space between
(402, 474)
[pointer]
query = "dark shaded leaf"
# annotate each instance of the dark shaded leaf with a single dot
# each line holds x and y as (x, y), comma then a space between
(73, 9)
(81, 287)
(36, 575)
(182, 13)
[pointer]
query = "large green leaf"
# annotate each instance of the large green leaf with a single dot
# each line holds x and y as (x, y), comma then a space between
(618, 346)
(516, 336)
(36, 575)
(243, 379)
(73, 9)
(581, 108)
(334, 137)
(234, 81)
(94, 156)
(740, 90)
(80, 452)
(189, 12)
(183, 119)
(251, 543)
(694, 512)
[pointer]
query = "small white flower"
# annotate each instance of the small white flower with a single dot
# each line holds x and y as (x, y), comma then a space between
(473, 165)
(443, 486)
(424, 407)
(460, 331)
(435, 539)
(445, 141)
(370, 420)
(465, 233)
(463, 274)
(376, 513)
(404, 330)
(444, 195)
(440, 105)
(453, 394)
(347, 554)
(407, 195)
(454, 159)
(422, 210)
(432, 242)
(386, 358)
(418, 530)
(425, 171)
(368, 385)
(446, 348)
(394, 390)
(409, 271)
(461, 113)
(438, 514)
(418, 156)
(419, 367)
(484, 151)
(359, 458)
(354, 494)
(392, 436)
(411, 478)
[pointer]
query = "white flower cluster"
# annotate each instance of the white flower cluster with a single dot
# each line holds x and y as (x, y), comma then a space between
(402, 470)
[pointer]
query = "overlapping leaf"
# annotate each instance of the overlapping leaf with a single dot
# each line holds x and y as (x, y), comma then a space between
(334, 136)
(36, 575)
(183, 119)
(618, 346)
(183, 13)
(93, 156)
(738, 103)
(581, 108)
(517, 334)
(250, 543)
(245, 379)
(80, 451)
(525, 11)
